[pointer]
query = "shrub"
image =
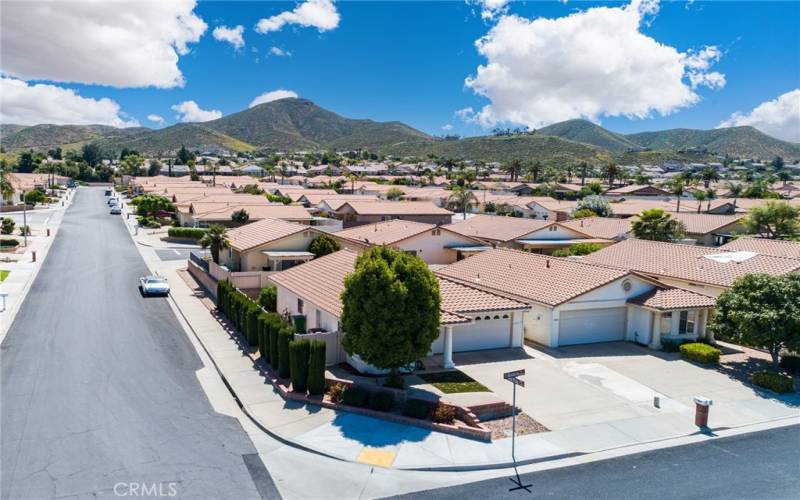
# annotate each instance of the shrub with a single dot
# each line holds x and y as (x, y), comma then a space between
(671, 345)
(444, 414)
(394, 381)
(285, 336)
(24, 230)
(790, 363)
(8, 243)
(701, 353)
(7, 225)
(35, 196)
(252, 326)
(298, 364)
(263, 336)
(355, 396)
(417, 408)
(381, 400)
(316, 367)
(274, 330)
(336, 392)
(189, 233)
(773, 381)
(268, 298)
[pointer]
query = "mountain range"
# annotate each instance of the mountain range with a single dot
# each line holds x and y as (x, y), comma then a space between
(299, 124)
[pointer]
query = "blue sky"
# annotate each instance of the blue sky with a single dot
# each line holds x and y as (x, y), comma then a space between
(408, 61)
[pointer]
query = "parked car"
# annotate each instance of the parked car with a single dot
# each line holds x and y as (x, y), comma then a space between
(108, 192)
(154, 285)
(113, 202)
(115, 210)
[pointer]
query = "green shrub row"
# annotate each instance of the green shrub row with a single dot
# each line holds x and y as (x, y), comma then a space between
(672, 345)
(363, 398)
(773, 381)
(699, 352)
(188, 233)
(301, 361)
(8, 243)
(417, 408)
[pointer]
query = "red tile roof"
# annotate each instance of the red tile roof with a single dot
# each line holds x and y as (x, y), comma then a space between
(673, 298)
(779, 248)
(497, 227)
(262, 232)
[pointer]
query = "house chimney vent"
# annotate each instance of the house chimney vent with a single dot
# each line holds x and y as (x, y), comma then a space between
(547, 263)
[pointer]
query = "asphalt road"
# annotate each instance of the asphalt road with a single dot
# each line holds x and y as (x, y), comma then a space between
(99, 394)
(763, 465)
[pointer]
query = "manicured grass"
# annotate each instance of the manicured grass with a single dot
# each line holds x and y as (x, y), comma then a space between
(3, 275)
(452, 382)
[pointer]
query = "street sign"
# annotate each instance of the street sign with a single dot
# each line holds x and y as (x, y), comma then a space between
(517, 381)
(514, 374)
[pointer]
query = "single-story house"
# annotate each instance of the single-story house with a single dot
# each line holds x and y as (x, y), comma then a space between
(431, 243)
(576, 302)
(471, 318)
(608, 228)
(637, 190)
(708, 271)
(312, 199)
(778, 248)
(354, 213)
(536, 235)
(205, 214)
(545, 208)
(268, 245)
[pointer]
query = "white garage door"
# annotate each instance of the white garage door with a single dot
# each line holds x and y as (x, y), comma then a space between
(591, 325)
(484, 334)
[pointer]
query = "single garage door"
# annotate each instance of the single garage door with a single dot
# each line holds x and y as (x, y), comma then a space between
(484, 334)
(591, 325)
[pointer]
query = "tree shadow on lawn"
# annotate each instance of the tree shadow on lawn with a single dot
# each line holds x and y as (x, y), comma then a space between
(742, 371)
(376, 432)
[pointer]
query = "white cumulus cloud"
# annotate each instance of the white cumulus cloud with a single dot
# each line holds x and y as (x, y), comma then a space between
(491, 8)
(320, 14)
(277, 51)
(27, 104)
(272, 95)
(447, 127)
(233, 36)
(189, 111)
(121, 44)
(156, 118)
(779, 117)
(589, 64)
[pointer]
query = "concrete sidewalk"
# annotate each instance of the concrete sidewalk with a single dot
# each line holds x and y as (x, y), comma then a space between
(368, 440)
(22, 269)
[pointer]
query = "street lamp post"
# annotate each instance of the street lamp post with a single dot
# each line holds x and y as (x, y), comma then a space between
(24, 220)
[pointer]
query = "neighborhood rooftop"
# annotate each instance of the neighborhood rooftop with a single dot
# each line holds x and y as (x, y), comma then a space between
(395, 208)
(538, 278)
(779, 248)
(688, 262)
(385, 233)
(262, 232)
(497, 227)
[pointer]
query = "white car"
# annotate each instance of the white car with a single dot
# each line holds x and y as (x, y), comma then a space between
(113, 202)
(115, 210)
(153, 285)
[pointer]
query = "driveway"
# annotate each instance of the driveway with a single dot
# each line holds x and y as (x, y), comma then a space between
(597, 383)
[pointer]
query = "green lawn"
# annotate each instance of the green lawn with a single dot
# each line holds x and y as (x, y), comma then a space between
(3, 275)
(451, 382)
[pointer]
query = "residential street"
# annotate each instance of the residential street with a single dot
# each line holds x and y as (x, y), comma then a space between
(99, 391)
(753, 466)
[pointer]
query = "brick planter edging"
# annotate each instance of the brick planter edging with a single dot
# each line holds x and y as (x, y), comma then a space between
(477, 431)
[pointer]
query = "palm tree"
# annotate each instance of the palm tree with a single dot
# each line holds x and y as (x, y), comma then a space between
(784, 176)
(569, 170)
(535, 169)
(216, 238)
(513, 169)
(584, 170)
(735, 190)
(352, 178)
(461, 199)
(610, 172)
(711, 194)
(708, 175)
(700, 196)
(6, 187)
(676, 187)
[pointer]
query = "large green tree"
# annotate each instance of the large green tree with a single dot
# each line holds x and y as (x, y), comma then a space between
(323, 245)
(149, 204)
(91, 154)
(657, 225)
(761, 310)
(390, 312)
(773, 219)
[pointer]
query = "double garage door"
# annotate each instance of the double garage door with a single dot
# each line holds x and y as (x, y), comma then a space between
(485, 334)
(591, 325)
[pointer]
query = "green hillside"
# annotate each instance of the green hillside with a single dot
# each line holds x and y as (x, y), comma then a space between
(734, 141)
(589, 133)
(193, 135)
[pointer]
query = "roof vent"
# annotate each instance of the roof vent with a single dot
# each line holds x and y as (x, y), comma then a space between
(547, 263)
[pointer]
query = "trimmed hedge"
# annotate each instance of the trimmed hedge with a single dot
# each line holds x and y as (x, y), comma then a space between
(274, 330)
(8, 243)
(268, 298)
(188, 233)
(417, 408)
(263, 335)
(298, 364)
(285, 336)
(701, 353)
(316, 367)
(672, 345)
(355, 396)
(790, 363)
(252, 327)
(773, 381)
(381, 400)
